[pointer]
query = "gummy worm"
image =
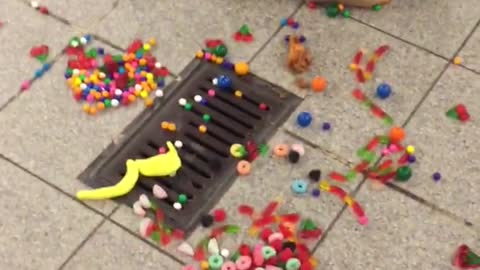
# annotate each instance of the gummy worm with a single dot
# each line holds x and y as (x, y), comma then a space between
(343, 195)
(374, 109)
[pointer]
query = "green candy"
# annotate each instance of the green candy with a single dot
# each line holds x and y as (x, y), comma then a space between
(403, 174)
(268, 252)
(221, 50)
(108, 103)
(332, 11)
(293, 264)
(351, 175)
(215, 262)
(346, 14)
(182, 198)
(206, 118)
(377, 7)
(188, 106)
(308, 225)
(244, 30)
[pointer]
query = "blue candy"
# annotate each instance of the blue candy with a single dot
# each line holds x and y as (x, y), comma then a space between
(384, 90)
(304, 119)
(224, 82)
(299, 187)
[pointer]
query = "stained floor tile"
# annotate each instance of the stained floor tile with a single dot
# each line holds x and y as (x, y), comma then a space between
(40, 226)
(402, 234)
(333, 46)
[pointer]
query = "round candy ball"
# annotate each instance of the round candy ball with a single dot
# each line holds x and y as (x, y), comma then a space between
(403, 174)
(384, 91)
(224, 82)
(221, 50)
(241, 68)
(318, 84)
(396, 135)
(437, 176)
(304, 119)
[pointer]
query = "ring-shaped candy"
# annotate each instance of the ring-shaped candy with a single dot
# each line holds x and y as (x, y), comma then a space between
(243, 263)
(236, 150)
(281, 150)
(293, 264)
(299, 187)
(229, 266)
(244, 167)
(215, 262)
(268, 252)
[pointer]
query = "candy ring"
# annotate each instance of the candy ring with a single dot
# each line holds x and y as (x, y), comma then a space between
(268, 252)
(229, 266)
(215, 262)
(293, 264)
(244, 167)
(280, 150)
(244, 263)
(236, 150)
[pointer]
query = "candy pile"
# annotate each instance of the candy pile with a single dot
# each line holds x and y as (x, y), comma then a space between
(334, 10)
(104, 80)
(40, 53)
(365, 74)
(280, 243)
(243, 34)
(459, 112)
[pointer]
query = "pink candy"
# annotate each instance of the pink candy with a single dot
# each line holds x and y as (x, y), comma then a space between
(244, 263)
(25, 85)
(211, 92)
(229, 266)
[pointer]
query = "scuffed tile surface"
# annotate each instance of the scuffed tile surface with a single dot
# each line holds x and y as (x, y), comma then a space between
(80, 13)
(23, 29)
(113, 248)
(402, 234)
(40, 226)
(447, 146)
(182, 26)
(270, 179)
(333, 46)
(51, 135)
(471, 52)
(437, 25)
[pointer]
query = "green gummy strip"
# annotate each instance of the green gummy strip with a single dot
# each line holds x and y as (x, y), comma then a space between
(351, 175)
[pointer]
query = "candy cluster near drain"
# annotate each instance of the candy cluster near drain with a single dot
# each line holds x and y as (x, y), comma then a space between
(102, 80)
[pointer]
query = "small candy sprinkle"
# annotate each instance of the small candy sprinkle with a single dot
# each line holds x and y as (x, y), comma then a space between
(384, 90)
(159, 93)
(197, 98)
(202, 129)
(412, 159)
(225, 252)
(159, 192)
(315, 175)
(457, 60)
(437, 176)
(326, 126)
(178, 144)
(299, 187)
(316, 192)
(211, 93)
(182, 102)
(177, 206)
(410, 150)
(219, 215)
(182, 198)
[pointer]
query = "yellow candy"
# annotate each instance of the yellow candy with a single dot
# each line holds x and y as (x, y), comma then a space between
(152, 42)
(219, 60)
(204, 265)
(199, 54)
(324, 185)
(77, 82)
(241, 68)
(238, 93)
(149, 76)
(235, 150)
(146, 47)
(457, 60)
(367, 75)
(410, 150)
(348, 200)
(202, 129)
(353, 66)
(160, 165)
(143, 94)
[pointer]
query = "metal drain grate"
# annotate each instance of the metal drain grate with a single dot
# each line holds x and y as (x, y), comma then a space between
(207, 168)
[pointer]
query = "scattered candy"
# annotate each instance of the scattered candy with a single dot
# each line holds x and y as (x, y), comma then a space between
(326, 126)
(410, 150)
(145, 201)
(403, 174)
(299, 58)
(396, 135)
(374, 109)
(459, 112)
(457, 60)
(384, 90)
(40, 53)
(315, 175)
(212, 247)
(177, 206)
(377, 7)
(244, 167)
(304, 119)
(243, 34)
(241, 68)
(297, 147)
(465, 258)
(138, 209)
(219, 215)
(293, 156)
(281, 150)
(299, 187)
(318, 84)
(437, 176)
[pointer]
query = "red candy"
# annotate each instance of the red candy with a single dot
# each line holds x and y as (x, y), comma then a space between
(244, 250)
(265, 233)
(219, 215)
(285, 255)
(245, 210)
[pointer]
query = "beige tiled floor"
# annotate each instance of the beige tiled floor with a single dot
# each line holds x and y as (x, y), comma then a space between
(46, 141)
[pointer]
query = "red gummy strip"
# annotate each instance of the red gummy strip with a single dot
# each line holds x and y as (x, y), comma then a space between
(337, 177)
(359, 95)
(199, 255)
(178, 234)
(386, 164)
(212, 43)
(377, 111)
(386, 178)
(373, 143)
(358, 57)
(403, 159)
(291, 218)
(340, 193)
(159, 215)
(165, 239)
(285, 231)
(362, 167)
(246, 210)
(357, 209)
(360, 76)
(217, 232)
(247, 38)
(370, 66)
(270, 209)
(135, 46)
(381, 50)
(310, 234)
(262, 222)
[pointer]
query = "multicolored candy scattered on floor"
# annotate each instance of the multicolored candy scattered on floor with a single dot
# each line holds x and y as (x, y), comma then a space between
(103, 80)
(459, 112)
(40, 53)
(465, 258)
(243, 34)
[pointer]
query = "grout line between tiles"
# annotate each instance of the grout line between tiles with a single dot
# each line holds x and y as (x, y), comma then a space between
(80, 246)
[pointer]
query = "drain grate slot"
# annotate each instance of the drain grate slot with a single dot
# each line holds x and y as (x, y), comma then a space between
(207, 170)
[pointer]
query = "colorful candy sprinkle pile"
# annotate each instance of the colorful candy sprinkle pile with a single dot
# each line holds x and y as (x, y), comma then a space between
(104, 80)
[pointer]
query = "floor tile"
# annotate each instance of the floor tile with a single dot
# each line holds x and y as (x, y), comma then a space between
(447, 146)
(437, 25)
(17, 65)
(470, 53)
(402, 234)
(270, 179)
(333, 46)
(40, 226)
(113, 248)
(80, 13)
(182, 26)
(50, 134)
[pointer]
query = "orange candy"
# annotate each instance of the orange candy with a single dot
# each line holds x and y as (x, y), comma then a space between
(202, 129)
(172, 127)
(318, 84)
(244, 167)
(397, 134)
(100, 106)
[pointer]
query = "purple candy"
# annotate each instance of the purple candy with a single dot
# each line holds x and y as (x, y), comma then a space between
(316, 192)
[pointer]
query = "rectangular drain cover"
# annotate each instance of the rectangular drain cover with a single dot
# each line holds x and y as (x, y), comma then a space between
(207, 168)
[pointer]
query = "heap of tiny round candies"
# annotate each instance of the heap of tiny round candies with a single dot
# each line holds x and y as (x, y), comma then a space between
(103, 80)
